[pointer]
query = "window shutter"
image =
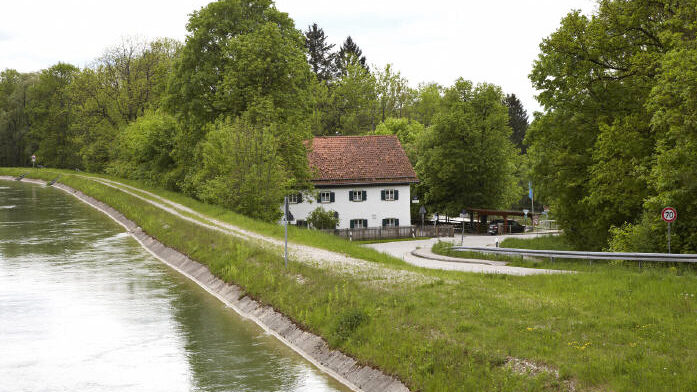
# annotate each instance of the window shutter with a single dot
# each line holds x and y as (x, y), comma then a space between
(382, 197)
(353, 222)
(350, 195)
(365, 223)
(384, 222)
(396, 194)
(331, 197)
(300, 197)
(364, 195)
(319, 197)
(396, 221)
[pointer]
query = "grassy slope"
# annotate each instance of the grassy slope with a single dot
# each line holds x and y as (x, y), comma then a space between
(620, 329)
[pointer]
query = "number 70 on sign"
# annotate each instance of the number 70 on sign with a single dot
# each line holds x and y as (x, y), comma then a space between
(669, 214)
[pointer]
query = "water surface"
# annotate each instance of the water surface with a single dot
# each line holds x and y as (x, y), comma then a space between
(84, 308)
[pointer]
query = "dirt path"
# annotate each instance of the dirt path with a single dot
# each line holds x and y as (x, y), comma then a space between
(336, 262)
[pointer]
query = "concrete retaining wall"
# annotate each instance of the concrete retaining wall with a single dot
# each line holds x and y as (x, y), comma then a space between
(313, 348)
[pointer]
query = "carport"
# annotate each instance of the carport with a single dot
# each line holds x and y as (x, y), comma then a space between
(484, 213)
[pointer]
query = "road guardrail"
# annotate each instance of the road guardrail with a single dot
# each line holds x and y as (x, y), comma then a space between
(568, 254)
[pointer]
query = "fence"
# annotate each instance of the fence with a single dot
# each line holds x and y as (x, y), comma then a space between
(567, 254)
(377, 233)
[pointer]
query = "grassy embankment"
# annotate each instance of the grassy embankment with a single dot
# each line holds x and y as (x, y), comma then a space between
(618, 330)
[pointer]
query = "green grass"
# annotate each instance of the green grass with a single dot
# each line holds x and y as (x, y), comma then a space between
(615, 328)
(549, 242)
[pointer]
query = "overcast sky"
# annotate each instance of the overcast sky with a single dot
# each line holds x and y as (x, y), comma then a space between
(492, 41)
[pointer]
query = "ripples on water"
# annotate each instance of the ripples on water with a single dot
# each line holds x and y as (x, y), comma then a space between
(84, 308)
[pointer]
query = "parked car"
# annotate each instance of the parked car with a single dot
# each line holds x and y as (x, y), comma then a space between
(511, 227)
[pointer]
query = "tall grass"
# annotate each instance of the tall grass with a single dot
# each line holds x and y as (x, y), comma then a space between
(614, 329)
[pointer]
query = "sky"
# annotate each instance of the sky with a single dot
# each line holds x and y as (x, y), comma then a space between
(494, 41)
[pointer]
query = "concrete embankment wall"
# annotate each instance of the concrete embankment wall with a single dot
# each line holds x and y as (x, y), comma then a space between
(313, 348)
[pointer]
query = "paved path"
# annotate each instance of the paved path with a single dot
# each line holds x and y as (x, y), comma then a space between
(419, 253)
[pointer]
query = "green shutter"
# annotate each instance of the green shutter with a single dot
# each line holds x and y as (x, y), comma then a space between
(300, 197)
(365, 223)
(396, 221)
(396, 194)
(382, 196)
(350, 195)
(353, 221)
(384, 222)
(365, 194)
(331, 197)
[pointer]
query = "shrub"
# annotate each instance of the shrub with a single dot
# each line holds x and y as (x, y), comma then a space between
(322, 219)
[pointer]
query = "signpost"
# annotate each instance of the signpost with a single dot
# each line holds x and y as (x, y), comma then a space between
(669, 215)
(422, 211)
(287, 216)
(525, 211)
(33, 160)
(462, 216)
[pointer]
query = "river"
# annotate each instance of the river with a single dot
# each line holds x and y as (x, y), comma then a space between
(84, 308)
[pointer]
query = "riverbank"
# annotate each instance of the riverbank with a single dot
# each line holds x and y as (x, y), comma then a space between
(313, 348)
(440, 330)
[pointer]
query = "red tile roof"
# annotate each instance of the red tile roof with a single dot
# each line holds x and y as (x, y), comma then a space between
(343, 160)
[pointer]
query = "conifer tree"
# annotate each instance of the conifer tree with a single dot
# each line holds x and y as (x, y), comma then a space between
(319, 53)
(349, 52)
(517, 120)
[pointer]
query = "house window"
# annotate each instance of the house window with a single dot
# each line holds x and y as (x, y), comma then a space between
(357, 195)
(359, 223)
(389, 194)
(326, 197)
(295, 198)
(390, 222)
(301, 223)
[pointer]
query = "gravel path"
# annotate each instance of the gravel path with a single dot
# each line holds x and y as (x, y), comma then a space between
(336, 262)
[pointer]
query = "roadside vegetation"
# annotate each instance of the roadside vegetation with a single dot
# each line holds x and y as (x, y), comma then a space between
(619, 329)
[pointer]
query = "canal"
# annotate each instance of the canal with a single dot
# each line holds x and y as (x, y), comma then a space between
(84, 308)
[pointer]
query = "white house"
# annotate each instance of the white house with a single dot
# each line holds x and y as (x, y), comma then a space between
(364, 179)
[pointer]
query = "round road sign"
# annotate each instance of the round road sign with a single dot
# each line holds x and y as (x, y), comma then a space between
(33, 158)
(669, 214)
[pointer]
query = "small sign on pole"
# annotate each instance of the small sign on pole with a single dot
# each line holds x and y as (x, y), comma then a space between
(669, 215)
(286, 216)
(33, 160)
(422, 211)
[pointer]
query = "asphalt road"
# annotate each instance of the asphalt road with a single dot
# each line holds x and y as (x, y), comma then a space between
(405, 249)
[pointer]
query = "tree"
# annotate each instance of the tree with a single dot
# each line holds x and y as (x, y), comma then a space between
(242, 169)
(349, 53)
(242, 58)
(51, 114)
(427, 101)
(321, 219)
(517, 120)
(354, 101)
(393, 93)
(591, 146)
(319, 53)
(408, 132)
(466, 158)
(15, 148)
(143, 149)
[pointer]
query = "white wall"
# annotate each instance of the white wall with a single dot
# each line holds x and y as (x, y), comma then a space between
(373, 209)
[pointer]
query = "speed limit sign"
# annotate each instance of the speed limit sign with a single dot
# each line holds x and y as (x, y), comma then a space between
(669, 214)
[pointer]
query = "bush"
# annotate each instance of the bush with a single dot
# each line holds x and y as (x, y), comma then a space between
(321, 219)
